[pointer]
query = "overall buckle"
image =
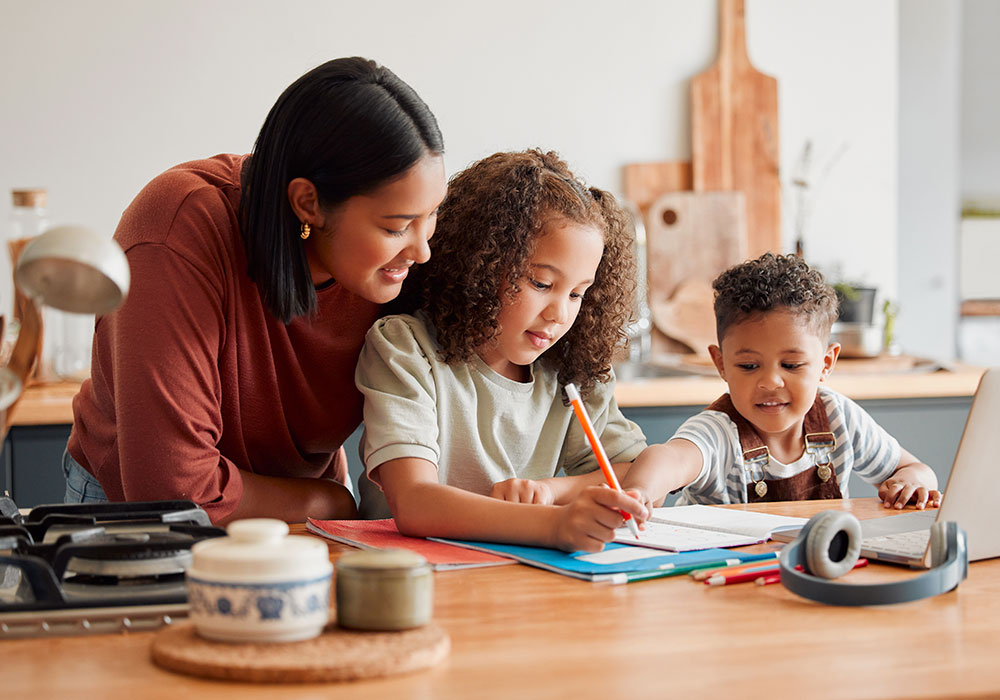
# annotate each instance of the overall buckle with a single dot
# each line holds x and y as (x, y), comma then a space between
(820, 441)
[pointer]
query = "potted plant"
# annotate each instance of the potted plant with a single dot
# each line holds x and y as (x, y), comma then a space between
(857, 302)
(855, 329)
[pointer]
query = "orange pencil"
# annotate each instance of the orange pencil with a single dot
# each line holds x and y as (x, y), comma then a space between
(573, 394)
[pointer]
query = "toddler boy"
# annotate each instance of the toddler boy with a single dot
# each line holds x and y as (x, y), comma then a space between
(778, 435)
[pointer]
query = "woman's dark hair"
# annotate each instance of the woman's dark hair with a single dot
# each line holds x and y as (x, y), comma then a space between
(486, 232)
(348, 126)
(769, 283)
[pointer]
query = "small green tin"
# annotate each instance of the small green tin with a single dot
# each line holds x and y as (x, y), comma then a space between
(391, 589)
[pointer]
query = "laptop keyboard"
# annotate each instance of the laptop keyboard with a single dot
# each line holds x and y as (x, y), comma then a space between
(906, 544)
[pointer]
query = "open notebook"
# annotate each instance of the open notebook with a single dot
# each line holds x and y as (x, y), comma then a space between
(687, 528)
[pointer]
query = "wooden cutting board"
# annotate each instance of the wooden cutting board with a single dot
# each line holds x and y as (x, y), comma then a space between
(691, 237)
(688, 316)
(644, 182)
(734, 132)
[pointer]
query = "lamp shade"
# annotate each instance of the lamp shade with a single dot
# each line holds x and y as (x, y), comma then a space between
(73, 268)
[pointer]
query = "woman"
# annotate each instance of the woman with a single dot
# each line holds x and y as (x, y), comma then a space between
(227, 377)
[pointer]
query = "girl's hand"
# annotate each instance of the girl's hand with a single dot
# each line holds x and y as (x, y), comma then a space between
(523, 491)
(592, 518)
(899, 489)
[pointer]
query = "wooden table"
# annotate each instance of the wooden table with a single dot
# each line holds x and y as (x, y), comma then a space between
(523, 632)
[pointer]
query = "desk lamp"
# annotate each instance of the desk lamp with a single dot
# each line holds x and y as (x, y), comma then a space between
(70, 268)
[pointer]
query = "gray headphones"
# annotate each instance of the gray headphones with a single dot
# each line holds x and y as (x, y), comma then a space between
(828, 547)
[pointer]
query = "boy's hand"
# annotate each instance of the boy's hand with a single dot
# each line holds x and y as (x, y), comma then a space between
(904, 487)
(592, 518)
(644, 498)
(523, 491)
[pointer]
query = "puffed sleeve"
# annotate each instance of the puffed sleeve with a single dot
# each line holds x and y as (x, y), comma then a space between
(396, 378)
(623, 440)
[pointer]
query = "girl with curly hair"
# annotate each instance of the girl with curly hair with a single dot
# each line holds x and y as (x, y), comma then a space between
(528, 288)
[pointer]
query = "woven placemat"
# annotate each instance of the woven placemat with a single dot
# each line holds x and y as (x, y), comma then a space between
(335, 655)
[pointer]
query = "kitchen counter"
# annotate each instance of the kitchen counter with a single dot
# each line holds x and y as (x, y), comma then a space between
(51, 404)
(45, 404)
(702, 390)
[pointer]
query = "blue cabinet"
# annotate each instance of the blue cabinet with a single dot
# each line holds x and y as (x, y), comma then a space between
(32, 464)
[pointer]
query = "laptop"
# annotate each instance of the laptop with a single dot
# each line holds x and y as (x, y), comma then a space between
(969, 498)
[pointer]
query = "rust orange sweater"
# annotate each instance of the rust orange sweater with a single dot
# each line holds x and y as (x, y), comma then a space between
(192, 378)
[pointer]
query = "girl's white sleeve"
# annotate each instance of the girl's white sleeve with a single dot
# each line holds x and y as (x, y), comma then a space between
(400, 412)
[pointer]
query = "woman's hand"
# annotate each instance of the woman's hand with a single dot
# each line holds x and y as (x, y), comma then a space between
(523, 491)
(592, 518)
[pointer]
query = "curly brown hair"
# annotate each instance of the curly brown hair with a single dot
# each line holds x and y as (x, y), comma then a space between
(774, 282)
(485, 237)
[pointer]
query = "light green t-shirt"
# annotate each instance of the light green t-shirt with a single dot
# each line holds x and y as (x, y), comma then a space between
(477, 426)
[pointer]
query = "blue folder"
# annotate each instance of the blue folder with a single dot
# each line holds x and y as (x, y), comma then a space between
(578, 564)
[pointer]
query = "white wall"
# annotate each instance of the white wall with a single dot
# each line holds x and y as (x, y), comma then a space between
(929, 175)
(97, 97)
(980, 103)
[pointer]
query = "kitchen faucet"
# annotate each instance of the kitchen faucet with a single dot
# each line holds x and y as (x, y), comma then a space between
(639, 331)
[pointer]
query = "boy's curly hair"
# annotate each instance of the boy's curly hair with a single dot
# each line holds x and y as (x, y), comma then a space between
(774, 282)
(482, 247)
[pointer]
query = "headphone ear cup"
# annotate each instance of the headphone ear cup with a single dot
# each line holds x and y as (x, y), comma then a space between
(939, 543)
(832, 544)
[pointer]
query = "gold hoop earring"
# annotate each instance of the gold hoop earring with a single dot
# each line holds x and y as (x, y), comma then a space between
(305, 230)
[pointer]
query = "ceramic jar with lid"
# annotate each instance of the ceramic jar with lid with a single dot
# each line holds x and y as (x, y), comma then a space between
(259, 584)
(384, 590)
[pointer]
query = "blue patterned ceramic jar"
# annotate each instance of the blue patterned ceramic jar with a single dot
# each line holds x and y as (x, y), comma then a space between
(259, 584)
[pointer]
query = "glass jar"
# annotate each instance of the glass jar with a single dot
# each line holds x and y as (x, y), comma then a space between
(66, 337)
(27, 219)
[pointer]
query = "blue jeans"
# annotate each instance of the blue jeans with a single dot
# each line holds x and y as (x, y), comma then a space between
(81, 486)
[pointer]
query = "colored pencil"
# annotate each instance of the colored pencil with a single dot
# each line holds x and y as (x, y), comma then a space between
(673, 570)
(573, 394)
(702, 574)
(735, 561)
(761, 574)
(742, 577)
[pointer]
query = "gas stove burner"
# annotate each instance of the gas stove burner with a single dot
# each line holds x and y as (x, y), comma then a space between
(62, 561)
(102, 558)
